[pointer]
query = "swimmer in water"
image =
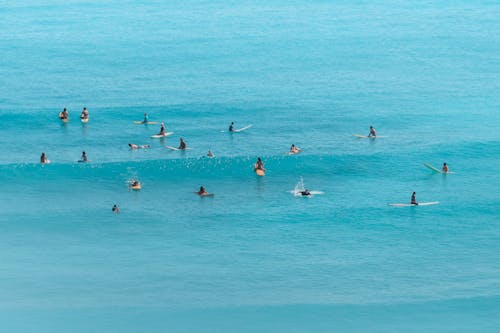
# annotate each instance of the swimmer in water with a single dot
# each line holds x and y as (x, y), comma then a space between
(372, 133)
(445, 168)
(414, 199)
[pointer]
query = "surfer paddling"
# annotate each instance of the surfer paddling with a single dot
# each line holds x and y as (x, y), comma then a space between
(134, 146)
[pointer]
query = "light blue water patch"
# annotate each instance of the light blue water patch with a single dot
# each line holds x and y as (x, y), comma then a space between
(254, 257)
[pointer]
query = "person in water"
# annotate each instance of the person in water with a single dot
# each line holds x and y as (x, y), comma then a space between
(210, 154)
(305, 192)
(182, 144)
(44, 159)
(294, 149)
(84, 157)
(115, 209)
(145, 118)
(414, 199)
(162, 129)
(64, 114)
(259, 165)
(134, 146)
(231, 127)
(372, 133)
(202, 191)
(85, 114)
(445, 168)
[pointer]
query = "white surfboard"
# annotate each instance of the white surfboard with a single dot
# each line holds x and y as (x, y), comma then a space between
(174, 148)
(138, 122)
(159, 136)
(84, 120)
(239, 129)
(360, 136)
(412, 205)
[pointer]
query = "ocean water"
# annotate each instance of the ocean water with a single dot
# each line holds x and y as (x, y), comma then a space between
(254, 258)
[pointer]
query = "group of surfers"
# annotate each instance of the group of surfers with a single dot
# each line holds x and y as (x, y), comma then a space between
(64, 114)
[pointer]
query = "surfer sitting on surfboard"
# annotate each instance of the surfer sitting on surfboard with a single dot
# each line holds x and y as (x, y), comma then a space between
(294, 149)
(372, 133)
(44, 159)
(162, 129)
(445, 168)
(182, 144)
(85, 114)
(259, 165)
(64, 114)
(210, 154)
(202, 191)
(231, 127)
(145, 118)
(414, 199)
(84, 157)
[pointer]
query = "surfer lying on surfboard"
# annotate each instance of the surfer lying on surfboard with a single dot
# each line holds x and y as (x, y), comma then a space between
(134, 146)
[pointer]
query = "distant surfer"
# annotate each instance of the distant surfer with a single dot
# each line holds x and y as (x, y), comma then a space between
(305, 193)
(294, 149)
(85, 114)
(259, 165)
(64, 114)
(202, 191)
(162, 129)
(134, 146)
(84, 157)
(445, 168)
(414, 199)
(372, 133)
(182, 144)
(210, 154)
(115, 209)
(231, 127)
(145, 118)
(44, 159)
(134, 184)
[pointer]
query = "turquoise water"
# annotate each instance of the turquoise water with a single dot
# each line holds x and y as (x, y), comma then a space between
(254, 258)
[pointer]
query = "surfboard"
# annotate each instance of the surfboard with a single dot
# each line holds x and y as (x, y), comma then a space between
(412, 205)
(84, 120)
(205, 194)
(293, 152)
(158, 136)
(136, 187)
(46, 162)
(146, 123)
(173, 148)
(259, 172)
(368, 137)
(242, 129)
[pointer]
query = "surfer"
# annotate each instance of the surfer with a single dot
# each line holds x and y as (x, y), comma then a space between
(202, 191)
(210, 154)
(305, 192)
(445, 168)
(182, 144)
(84, 157)
(294, 149)
(414, 199)
(85, 114)
(115, 209)
(134, 184)
(64, 114)
(44, 159)
(134, 146)
(231, 127)
(372, 133)
(145, 118)
(162, 129)
(259, 165)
